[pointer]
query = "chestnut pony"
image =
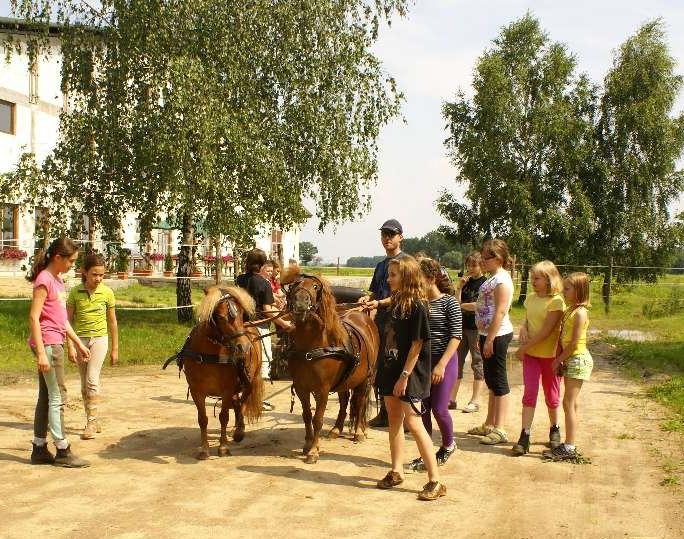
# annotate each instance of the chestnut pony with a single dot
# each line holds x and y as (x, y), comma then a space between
(222, 358)
(328, 352)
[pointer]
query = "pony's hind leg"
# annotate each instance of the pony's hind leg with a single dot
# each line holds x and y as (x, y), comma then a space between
(341, 415)
(224, 450)
(305, 400)
(321, 403)
(203, 421)
(358, 409)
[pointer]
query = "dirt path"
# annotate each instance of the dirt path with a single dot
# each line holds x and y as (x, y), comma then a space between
(145, 482)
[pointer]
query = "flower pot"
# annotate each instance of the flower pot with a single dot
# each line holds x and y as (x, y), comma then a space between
(168, 274)
(122, 275)
(196, 274)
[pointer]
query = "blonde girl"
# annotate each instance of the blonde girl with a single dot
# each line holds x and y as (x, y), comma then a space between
(90, 308)
(574, 359)
(538, 337)
(495, 334)
(405, 371)
(48, 327)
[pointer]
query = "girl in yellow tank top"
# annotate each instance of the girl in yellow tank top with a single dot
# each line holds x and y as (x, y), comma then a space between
(574, 359)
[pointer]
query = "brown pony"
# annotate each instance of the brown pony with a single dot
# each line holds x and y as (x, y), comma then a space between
(222, 358)
(329, 352)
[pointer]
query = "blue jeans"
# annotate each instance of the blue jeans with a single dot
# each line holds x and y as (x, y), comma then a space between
(49, 406)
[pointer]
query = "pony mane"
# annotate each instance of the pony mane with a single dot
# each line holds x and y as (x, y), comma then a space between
(213, 295)
(328, 313)
(291, 273)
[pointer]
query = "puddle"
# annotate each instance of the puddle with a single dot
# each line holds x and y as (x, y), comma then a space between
(631, 335)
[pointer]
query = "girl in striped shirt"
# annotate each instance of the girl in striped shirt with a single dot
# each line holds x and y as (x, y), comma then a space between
(445, 336)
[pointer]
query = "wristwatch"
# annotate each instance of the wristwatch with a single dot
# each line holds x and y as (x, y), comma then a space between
(405, 374)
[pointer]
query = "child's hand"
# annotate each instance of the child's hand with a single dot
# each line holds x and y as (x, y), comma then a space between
(522, 336)
(556, 365)
(438, 373)
(71, 354)
(400, 387)
(488, 349)
(113, 357)
(85, 353)
(520, 353)
(43, 363)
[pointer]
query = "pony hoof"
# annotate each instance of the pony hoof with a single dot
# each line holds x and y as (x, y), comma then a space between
(306, 450)
(238, 436)
(202, 454)
(311, 459)
(359, 438)
(223, 451)
(334, 433)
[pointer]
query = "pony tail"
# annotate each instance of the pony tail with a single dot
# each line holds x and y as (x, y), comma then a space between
(40, 262)
(253, 401)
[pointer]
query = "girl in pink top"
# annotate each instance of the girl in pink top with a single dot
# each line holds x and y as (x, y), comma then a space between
(48, 326)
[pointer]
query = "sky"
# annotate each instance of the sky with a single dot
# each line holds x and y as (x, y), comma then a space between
(432, 53)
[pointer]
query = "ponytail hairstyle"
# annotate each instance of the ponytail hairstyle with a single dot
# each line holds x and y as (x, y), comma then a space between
(432, 270)
(91, 260)
(254, 260)
(411, 288)
(61, 246)
(499, 249)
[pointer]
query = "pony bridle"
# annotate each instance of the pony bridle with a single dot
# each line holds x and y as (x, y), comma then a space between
(293, 289)
(226, 340)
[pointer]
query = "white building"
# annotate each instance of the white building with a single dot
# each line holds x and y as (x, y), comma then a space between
(30, 104)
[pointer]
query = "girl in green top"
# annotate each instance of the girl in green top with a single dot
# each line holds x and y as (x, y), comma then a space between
(90, 309)
(574, 359)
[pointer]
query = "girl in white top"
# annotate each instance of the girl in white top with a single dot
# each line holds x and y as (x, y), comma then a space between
(496, 332)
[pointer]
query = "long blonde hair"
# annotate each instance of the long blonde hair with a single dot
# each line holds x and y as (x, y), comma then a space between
(213, 295)
(411, 286)
(580, 282)
(549, 271)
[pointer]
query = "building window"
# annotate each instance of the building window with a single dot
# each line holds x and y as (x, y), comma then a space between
(7, 117)
(276, 244)
(10, 220)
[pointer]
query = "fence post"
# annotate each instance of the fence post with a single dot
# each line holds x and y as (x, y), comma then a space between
(513, 268)
(338, 265)
(608, 285)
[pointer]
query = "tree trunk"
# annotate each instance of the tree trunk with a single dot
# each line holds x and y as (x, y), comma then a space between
(218, 263)
(183, 291)
(524, 275)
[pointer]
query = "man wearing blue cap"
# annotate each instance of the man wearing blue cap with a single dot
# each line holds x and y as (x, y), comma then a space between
(391, 234)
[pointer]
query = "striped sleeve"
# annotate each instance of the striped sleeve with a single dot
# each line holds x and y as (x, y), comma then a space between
(454, 318)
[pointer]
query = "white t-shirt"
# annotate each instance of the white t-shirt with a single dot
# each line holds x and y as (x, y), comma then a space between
(484, 310)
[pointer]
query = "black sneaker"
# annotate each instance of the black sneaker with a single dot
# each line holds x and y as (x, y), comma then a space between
(417, 465)
(453, 405)
(554, 437)
(67, 459)
(562, 452)
(41, 455)
(443, 454)
(523, 445)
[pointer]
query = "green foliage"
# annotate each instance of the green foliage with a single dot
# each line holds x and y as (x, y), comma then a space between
(434, 244)
(561, 168)
(658, 308)
(512, 144)
(364, 261)
(307, 251)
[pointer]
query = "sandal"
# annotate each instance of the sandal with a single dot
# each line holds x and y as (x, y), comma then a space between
(470, 408)
(392, 479)
(497, 436)
(432, 491)
(481, 430)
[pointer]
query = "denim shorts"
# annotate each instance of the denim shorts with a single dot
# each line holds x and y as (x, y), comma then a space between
(579, 366)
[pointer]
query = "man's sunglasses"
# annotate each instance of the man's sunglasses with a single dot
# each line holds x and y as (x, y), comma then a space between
(388, 233)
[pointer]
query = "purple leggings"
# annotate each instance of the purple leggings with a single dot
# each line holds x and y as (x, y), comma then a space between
(438, 403)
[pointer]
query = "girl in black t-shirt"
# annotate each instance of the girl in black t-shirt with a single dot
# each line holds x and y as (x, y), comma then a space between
(404, 372)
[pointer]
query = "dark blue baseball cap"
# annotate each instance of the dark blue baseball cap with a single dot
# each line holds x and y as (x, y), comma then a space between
(393, 226)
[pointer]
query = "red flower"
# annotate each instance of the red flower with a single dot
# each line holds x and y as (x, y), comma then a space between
(12, 253)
